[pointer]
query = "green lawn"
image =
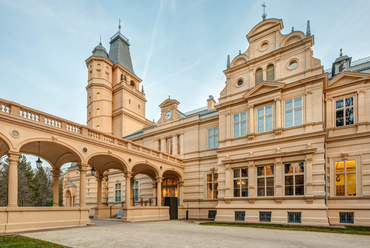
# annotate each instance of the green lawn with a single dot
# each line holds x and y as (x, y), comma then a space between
(348, 229)
(16, 241)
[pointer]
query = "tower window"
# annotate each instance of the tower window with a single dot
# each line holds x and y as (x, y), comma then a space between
(107, 76)
(129, 101)
(89, 99)
(259, 76)
(270, 73)
(138, 106)
(89, 115)
(98, 96)
(98, 111)
(132, 83)
(98, 73)
(97, 127)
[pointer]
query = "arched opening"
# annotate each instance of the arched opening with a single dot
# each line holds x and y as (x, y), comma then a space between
(171, 192)
(132, 83)
(123, 77)
(143, 185)
(259, 76)
(270, 73)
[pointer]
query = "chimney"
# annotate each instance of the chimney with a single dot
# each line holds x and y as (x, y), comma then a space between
(211, 103)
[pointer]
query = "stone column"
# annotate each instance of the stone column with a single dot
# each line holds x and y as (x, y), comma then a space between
(330, 112)
(228, 182)
(181, 192)
(128, 176)
(83, 169)
(278, 113)
(251, 181)
(279, 177)
(309, 180)
(174, 145)
(56, 174)
(361, 106)
(159, 190)
(309, 107)
(182, 144)
(251, 118)
(13, 159)
(228, 126)
(99, 194)
(163, 145)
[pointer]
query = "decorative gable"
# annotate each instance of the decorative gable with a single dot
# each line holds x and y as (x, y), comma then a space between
(347, 77)
(264, 87)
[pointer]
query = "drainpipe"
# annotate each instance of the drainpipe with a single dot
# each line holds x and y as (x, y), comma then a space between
(326, 161)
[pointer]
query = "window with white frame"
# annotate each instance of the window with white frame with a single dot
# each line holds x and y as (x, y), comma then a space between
(344, 114)
(135, 188)
(294, 178)
(293, 112)
(345, 178)
(240, 124)
(265, 180)
(264, 119)
(118, 192)
(212, 186)
(240, 182)
(212, 135)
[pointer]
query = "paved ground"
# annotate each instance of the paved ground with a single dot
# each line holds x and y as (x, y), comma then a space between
(110, 233)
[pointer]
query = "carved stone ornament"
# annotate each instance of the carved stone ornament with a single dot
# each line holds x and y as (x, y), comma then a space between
(344, 156)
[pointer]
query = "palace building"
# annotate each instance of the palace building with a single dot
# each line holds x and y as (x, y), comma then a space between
(287, 142)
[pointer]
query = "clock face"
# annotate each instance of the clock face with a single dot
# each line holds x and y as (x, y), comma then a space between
(168, 115)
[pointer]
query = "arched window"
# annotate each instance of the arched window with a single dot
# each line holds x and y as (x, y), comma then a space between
(132, 83)
(169, 188)
(259, 76)
(270, 73)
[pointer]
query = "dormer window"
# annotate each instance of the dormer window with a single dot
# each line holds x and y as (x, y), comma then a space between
(259, 76)
(270, 73)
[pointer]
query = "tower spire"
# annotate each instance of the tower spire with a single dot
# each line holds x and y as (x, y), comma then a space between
(119, 26)
(228, 62)
(308, 30)
(264, 13)
(100, 41)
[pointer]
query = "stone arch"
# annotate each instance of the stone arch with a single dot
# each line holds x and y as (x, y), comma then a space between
(292, 38)
(240, 59)
(56, 153)
(172, 172)
(132, 83)
(5, 145)
(103, 162)
(146, 168)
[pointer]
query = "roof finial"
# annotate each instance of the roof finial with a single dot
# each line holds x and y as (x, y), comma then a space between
(341, 54)
(308, 30)
(142, 88)
(228, 62)
(119, 26)
(264, 13)
(292, 29)
(240, 52)
(100, 40)
(169, 97)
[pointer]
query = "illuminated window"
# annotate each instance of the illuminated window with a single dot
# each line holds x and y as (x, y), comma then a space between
(98, 111)
(270, 73)
(212, 186)
(169, 146)
(264, 119)
(212, 138)
(240, 124)
(344, 112)
(294, 179)
(259, 76)
(135, 189)
(97, 127)
(345, 178)
(265, 180)
(98, 96)
(118, 192)
(293, 112)
(169, 188)
(241, 182)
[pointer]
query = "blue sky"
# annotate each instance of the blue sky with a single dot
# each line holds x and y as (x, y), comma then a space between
(178, 48)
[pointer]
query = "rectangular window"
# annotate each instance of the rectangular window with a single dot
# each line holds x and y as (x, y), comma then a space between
(159, 145)
(346, 218)
(106, 76)
(294, 178)
(265, 180)
(98, 111)
(294, 217)
(98, 73)
(118, 192)
(178, 144)
(345, 178)
(344, 115)
(293, 112)
(241, 182)
(212, 186)
(212, 135)
(240, 216)
(97, 127)
(264, 119)
(265, 216)
(98, 96)
(240, 124)
(169, 147)
(212, 214)
(135, 189)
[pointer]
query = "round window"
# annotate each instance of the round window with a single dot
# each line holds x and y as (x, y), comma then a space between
(240, 82)
(293, 64)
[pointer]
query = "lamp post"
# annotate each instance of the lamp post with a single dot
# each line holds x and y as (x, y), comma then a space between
(38, 161)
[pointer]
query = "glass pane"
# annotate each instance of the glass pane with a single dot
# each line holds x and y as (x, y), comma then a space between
(174, 182)
(288, 168)
(270, 182)
(236, 118)
(215, 186)
(299, 190)
(236, 192)
(209, 186)
(269, 191)
(339, 167)
(243, 116)
(260, 124)
(236, 173)
(270, 169)
(268, 123)
(244, 183)
(260, 111)
(339, 114)
(210, 145)
(236, 130)
(288, 180)
(288, 190)
(349, 101)
(215, 131)
(349, 116)
(244, 172)
(215, 141)
(244, 192)
(339, 180)
(288, 116)
(209, 194)
(214, 194)
(261, 191)
(209, 132)
(298, 102)
(351, 165)
(298, 116)
(339, 104)
(299, 180)
(268, 109)
(261, 182)
(243, 128)
(340, 122)
(301, 166)
(164, 182)
(215, 177)
(289, 104)
(209, 178)
(260, 171)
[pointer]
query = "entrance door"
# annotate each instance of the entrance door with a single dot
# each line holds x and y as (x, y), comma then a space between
(172, 203)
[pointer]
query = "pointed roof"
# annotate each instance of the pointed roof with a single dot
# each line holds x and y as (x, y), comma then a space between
(119, 51)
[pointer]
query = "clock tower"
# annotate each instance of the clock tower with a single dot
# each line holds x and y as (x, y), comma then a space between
(169, 111)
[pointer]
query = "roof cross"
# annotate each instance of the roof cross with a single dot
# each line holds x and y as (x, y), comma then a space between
(264, 13)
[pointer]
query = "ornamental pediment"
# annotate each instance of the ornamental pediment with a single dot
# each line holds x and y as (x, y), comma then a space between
(168, 102)
(264, 87)
(347, 77)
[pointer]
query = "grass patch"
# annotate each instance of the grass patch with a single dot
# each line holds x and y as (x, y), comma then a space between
(16, 241)
(347, 230)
